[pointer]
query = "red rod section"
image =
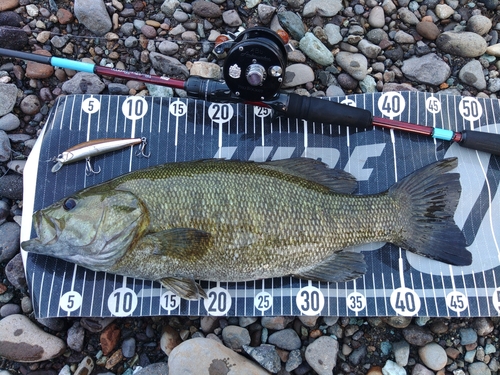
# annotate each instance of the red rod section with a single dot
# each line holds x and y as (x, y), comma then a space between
(154, 79)
(399, 125)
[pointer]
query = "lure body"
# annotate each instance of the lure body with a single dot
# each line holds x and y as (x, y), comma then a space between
(92, 148)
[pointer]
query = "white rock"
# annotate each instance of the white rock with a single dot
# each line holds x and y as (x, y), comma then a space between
(298, 74)
(203, 356)
(23, 341)
(444, 11)
(323, 8)
(321, 355)
(205, 69)
(433, 356)
(17, 165)
(392, 368)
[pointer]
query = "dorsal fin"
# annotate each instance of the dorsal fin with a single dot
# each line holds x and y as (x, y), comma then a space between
(313, 170)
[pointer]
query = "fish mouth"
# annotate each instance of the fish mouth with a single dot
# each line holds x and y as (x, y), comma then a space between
(47, 228)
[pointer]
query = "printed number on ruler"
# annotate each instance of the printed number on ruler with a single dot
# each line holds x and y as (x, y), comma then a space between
(457, 301)
(310, 300)
(262, 111)
(218, 302)
(348, 102)
(433, 105)
(405, 301)
(391, 104)
(170, 301)
(91, 105)
(220, 112)
(263, 301)
(470, 109)
(496, 299)
(178, 108)
(122, 302)
(134, 107)
(70, 301)
(356, 301)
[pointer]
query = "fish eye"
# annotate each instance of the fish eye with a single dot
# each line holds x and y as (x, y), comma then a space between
(69, 204)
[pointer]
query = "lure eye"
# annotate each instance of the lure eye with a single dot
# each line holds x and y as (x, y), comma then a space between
(69, 204)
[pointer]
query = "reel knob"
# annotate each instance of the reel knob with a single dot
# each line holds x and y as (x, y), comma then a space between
(255, 65)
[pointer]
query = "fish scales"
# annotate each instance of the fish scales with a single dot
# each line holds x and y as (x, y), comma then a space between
(225, 220)
(257, 217)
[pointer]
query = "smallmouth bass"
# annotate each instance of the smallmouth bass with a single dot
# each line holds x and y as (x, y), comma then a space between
(226, 220)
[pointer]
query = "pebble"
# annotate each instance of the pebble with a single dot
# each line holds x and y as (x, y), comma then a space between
(8, 95)
(321, 355)
(467, 336)
(30, 105)
(294, 360)
(206, 69)
(323, 8)
(369, 49)
(83, 83)
(168, 65)
(93, 15)
(308, 321)
(275, 322)
(479, 24)
(37, 70)
(109, 338)
(13, 38)
(428, 30)
(23, 341)
(433, 356)
(14, 271)
(464, 44)
(9, 309)
(376, 18)
(298, 74)
(403, 38)
(472, 74)
(266, 356)
(483, 326)
(353, 63)
(231, 18)
(392, 368)
(169, 339)
(8, 4)
(401, 351)
(333, 34)
(5, 148)
(408, 17)
(292, 23)
(235, 337)
(286, 339)
(266, 13)
(85, 367)
(420, 369)
(128, 347)
(160, 368)
(76, 337)
(428, 69)
(444, 11)
(211, 358)
(205, 9)
(478, 368)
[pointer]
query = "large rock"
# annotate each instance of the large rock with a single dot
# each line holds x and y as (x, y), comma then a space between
(464, 44)
(354, 64)
(323, 8)
(8, 96)
(206, 356)
(21, 340)
(93, 15)
(429, 69)
(84, 83)
(472, 74)
(168, 65)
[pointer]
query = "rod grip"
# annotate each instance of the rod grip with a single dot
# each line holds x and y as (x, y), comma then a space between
(42, 59)
(487, 142)
(321, 110)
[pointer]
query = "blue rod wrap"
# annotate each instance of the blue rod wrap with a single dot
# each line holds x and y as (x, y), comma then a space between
(446, 135)
(70, 64)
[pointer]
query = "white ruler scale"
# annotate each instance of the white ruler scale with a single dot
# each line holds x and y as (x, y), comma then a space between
(396, 283)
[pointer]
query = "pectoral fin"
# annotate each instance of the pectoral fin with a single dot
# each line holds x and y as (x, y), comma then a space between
(340, 267)
(184, 288)
(181, 243)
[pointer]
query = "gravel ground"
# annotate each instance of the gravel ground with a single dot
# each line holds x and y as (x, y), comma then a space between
(357, 46)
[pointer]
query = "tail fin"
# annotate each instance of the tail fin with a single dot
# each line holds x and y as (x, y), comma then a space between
(429, 198)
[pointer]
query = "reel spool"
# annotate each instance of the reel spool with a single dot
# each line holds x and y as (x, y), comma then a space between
(255, 65)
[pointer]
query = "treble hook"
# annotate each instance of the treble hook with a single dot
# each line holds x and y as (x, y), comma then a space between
(142, 148)
(89, 169)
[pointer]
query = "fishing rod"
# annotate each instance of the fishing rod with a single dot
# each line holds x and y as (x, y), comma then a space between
(253, 71)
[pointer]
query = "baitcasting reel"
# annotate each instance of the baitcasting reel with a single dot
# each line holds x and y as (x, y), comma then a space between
(255, 64)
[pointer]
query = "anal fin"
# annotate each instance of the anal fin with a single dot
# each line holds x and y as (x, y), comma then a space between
(342, 266)
(184, 287)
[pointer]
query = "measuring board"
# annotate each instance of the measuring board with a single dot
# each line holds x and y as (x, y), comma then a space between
(397, 282)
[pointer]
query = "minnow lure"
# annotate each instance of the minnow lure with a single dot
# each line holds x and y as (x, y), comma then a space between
(95, 147)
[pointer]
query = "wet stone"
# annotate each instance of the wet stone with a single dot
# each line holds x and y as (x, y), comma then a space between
(266, 356)
(467, 336)
(235, 337)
